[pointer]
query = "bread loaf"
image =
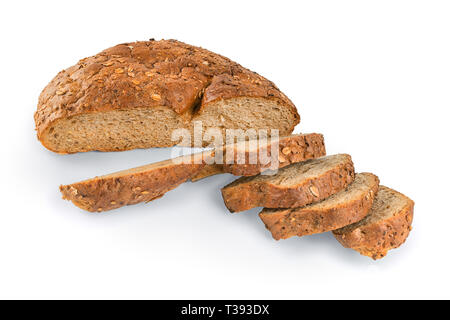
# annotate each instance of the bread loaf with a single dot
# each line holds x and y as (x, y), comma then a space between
(293, 186)
(348, 206)
(135, 95)
(386, 226)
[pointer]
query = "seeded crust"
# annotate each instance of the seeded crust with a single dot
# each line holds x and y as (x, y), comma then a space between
(291, 149)
(374, 236)
(179, 80)
(132, 186)
(320, 178)
(335, 212)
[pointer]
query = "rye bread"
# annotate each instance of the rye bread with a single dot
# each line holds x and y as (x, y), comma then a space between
(249, 158)
(135, 95)
(386, 226)
(348, 206)
(293, 186)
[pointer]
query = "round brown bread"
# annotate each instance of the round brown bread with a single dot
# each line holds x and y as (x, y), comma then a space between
(134, 95)
(386, 226)
(343, 208)
(293, 186)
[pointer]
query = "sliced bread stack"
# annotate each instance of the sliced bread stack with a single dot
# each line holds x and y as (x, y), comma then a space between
(322, 195)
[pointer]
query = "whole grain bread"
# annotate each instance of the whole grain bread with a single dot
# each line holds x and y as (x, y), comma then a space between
(348, 206)
(132, 186)
(249, 158)
(293, 186)
(135, 95)
(386, 226)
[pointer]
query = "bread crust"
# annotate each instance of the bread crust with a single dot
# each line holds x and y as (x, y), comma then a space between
(291, 149)
(286, 223)
(376, 239)
(242, 195)
(117, 190)
(146, 74)
(208, 171)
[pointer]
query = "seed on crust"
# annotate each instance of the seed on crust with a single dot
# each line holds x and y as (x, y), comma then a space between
(314, 191)
(286, 150)
(156, 97)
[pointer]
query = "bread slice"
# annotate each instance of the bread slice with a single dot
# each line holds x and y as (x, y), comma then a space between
(247, 158)
(141, 184)
(135, 95)
(294, 186)
(348, 206)
(386, 226)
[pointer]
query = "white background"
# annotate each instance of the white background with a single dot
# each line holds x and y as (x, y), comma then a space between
(372, 76)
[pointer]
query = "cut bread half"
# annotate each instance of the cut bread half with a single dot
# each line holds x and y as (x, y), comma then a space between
(137, 95)
(249, 158)
(348, 206)
(127, 187)
(293, 186)
(386, 226)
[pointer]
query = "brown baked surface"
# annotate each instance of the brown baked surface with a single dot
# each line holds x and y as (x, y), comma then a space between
(386, 226)
(293, 186)
(150, 74)
(341, 209)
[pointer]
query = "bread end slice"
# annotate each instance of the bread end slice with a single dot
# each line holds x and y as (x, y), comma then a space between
(132, 186)
(386, 226)
(343, 208)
